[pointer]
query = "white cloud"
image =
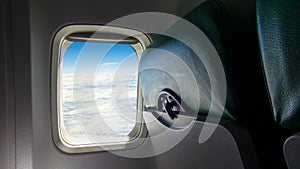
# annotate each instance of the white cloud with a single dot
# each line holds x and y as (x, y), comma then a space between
(81, 117)
(109, 64)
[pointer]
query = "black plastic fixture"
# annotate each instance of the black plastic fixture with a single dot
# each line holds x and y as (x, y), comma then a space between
(170, 103)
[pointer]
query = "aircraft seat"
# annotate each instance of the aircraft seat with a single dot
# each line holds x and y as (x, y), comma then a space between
(278, 24)
(230, 25)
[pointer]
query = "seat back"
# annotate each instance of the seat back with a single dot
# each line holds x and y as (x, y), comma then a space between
(278, 24)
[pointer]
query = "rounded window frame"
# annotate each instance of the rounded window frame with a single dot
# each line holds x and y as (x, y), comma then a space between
(60, 43)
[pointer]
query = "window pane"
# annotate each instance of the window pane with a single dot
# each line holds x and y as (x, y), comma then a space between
(98, 92)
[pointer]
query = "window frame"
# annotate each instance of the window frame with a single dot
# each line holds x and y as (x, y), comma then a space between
(60, 43)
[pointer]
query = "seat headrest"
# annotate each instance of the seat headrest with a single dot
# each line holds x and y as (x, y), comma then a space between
(231, 28)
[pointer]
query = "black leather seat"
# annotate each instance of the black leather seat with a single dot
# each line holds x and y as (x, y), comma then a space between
(279, 36)
(231, 27)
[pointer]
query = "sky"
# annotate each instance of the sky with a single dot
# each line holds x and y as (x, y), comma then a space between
(104, 122)
(87, 56)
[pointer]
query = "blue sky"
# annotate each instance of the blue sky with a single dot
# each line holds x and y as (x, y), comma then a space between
(92, 52)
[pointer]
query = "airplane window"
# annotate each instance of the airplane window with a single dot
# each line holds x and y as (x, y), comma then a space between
(96, 117)
(96, 98)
